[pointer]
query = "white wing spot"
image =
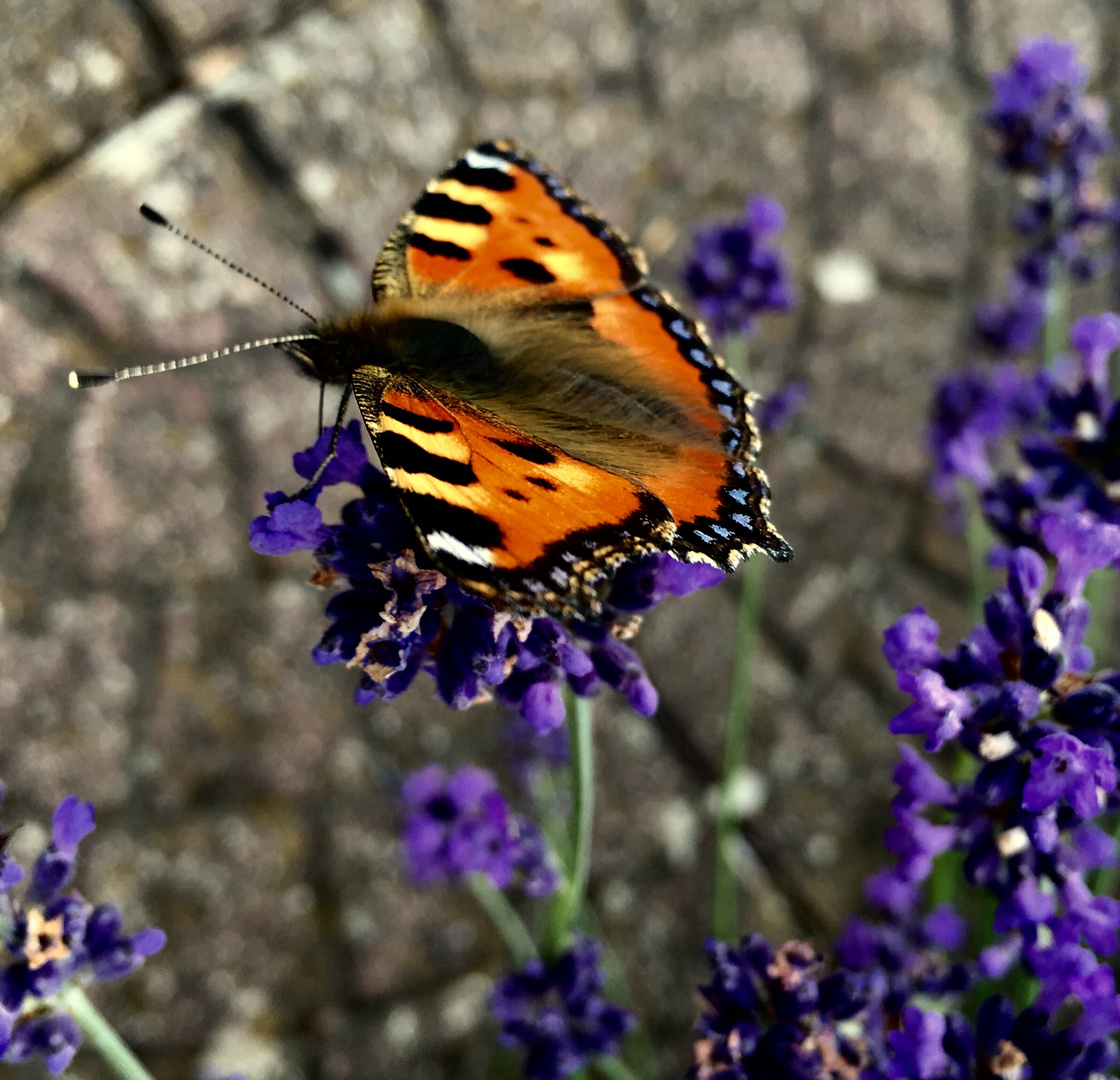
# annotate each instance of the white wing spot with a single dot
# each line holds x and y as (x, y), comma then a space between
(484, 161)
(453, 546)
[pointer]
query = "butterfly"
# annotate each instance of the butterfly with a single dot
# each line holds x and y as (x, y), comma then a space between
(543, 413)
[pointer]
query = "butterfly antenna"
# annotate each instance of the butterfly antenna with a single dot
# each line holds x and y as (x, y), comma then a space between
(156, 218)
(85, 382)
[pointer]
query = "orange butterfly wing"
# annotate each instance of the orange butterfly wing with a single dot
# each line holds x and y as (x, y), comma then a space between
(497, 221)
(514, 519)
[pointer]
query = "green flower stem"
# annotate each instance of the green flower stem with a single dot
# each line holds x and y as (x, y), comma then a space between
(1103, 882)
(1055, 332)
(613, 1069)
(639, 1046)
(494, 902)
(735, 352)
(567, 907)
(979, 539)
(101, 1035)
(1100, 588)
(725, 916)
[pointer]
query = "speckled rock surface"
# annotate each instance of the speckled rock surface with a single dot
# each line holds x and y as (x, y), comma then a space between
(150, 662)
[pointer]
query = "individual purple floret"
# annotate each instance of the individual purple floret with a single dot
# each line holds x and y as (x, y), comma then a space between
(401, 615)
(917, 1047)
(778, 409)
(461, 824)
(53, 935)
(732, 276)
(557, 1013)
(52, 1036)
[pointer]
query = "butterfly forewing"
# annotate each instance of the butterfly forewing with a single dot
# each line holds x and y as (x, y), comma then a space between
(497, 220)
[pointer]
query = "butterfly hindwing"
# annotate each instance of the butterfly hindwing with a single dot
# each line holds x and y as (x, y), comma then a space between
(512, 518)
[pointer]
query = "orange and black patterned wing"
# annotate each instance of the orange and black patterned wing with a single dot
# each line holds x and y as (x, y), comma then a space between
(496, 222)
(520, 522)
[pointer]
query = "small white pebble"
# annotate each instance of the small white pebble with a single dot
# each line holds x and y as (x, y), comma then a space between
(844, 277)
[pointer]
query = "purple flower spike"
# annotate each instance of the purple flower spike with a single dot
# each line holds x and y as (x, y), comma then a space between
(778, 1013)
(1067, 767)
(556, 1011)
(52, 937)
(461, 824)
(732, 277)
(1038, 112)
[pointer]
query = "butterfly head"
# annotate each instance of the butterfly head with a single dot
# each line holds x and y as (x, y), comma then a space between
(394, 338)
(325, 355)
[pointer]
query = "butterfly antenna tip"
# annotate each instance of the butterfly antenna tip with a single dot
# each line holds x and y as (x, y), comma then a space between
(156, 218)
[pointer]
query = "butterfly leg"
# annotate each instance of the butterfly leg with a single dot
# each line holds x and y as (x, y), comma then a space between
(339, 419)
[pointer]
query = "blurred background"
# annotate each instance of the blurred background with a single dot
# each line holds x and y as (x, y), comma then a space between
(151, 663)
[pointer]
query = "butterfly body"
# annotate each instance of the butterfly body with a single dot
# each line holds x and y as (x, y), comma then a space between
(542, 412)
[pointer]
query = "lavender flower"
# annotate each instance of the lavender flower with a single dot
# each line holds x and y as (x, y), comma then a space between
(1044, 733)
(54, 936)
(778, 1012)
(1039, 115)
(401, 615)
(1035, 447)
(732, 277)
(779, 408)
(1044, 127)
(556, 1011)
(461, 825)
(1017, 697)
